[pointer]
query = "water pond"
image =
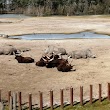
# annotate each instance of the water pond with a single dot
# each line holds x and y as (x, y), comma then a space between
(13, 16)
(82, 35)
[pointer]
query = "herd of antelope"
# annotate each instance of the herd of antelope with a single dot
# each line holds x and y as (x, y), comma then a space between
(52, 57)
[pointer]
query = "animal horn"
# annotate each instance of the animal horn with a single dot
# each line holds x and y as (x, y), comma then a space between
(53, 53)
(60, 55)
(70, 62)
(51, 59)
(14, 53)
(21, 52)
(48, 57)
(44, 59)
(68, 57)
(18, 54)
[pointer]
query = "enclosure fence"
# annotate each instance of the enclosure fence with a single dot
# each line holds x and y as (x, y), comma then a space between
(14, 100)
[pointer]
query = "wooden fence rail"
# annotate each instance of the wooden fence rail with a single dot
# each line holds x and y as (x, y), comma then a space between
(15, 100)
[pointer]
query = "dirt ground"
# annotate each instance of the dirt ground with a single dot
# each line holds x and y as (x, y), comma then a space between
(14, 26)
(28, 78)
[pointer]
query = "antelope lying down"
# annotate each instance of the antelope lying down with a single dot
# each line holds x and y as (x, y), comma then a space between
(22, 59)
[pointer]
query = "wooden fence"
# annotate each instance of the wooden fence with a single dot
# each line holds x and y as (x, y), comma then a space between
(14, 100)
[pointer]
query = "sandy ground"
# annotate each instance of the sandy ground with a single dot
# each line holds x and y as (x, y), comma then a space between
(14, 26)
(29, 78)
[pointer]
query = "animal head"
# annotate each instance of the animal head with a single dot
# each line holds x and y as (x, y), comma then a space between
(93, 56)
(17, 56)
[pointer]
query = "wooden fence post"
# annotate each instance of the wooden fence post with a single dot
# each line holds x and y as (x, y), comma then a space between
(108, 91)
(100, 92)
(41, 100)
(0, 95)
(19, 101)
(30, 101)
(91, 93)
(51, 99)
(11, 103)
(14, 101)
(71, 96)
(61, 98)
(81, 95)
(9, 94)
(2, 107)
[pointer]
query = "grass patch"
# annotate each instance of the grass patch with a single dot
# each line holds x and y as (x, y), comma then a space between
(104, 105)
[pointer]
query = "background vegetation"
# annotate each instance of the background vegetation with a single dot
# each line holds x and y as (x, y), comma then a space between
(55, 7)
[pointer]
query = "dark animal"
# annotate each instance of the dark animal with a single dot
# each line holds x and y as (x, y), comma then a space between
(64, 67)
(55, 61)
(43, 61)
(21, 59)
(61, 64)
